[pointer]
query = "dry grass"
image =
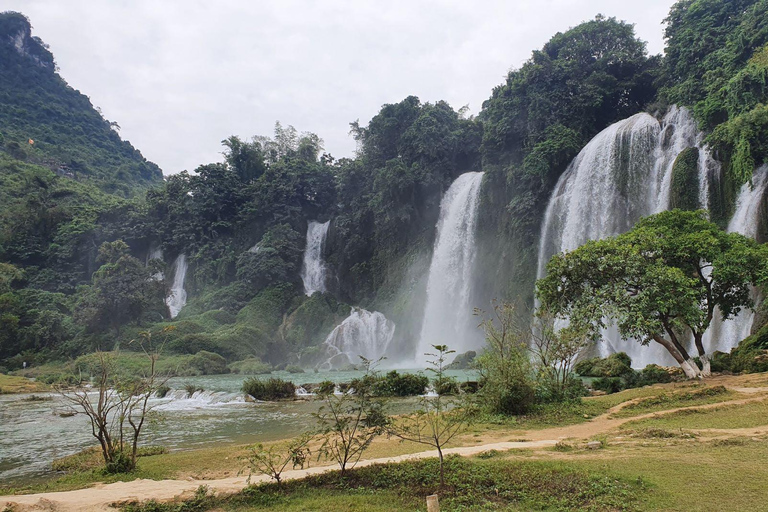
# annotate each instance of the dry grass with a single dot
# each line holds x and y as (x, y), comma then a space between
(10, 384)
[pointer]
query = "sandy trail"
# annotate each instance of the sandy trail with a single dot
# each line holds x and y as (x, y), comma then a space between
(100, 497)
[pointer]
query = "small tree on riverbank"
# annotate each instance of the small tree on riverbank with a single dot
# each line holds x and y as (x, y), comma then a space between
(274, 460)
(440, 418)
(349, 422)
(505, 368)
(118, 406)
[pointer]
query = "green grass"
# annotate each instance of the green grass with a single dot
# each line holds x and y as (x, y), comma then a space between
(683, 398)
(128, 363)
(689, 475)
(471, 484)
(570, 413)
(749, 415)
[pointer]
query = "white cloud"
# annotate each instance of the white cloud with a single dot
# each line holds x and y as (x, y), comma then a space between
(181, 75)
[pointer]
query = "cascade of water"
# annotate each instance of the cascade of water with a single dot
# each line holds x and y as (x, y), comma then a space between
(725, 335)
(313, 268)
(448, 312)
(155, 253)
(362, 333)
(624, 173)
(181, 400)
(178, 297)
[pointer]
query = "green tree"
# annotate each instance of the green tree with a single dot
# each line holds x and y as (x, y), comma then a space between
(274, 460)
(440, 418)
(348, 423)
(505, 368)
(662, 281)
(245, 158)
(120, 407)
(716, 61)
(122, 290)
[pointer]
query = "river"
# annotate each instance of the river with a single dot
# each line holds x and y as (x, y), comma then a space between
(33, 433)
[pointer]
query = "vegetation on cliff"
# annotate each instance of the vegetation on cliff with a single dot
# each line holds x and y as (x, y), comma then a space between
(69, 184)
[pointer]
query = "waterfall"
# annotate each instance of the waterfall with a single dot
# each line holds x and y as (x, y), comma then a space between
(623, 174)
(155, 253)
(448, 312)
(178, 297)
(725, 335)
(362, 333)
(313, 268)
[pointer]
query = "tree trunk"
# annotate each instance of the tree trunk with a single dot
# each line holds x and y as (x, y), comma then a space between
(442, 476)
(706, 370)
(691, 371)
(706, 367)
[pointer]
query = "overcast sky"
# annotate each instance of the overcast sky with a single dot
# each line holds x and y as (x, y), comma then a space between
(181, 75)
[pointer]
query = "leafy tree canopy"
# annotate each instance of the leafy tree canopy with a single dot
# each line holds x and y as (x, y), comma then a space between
(665, 278)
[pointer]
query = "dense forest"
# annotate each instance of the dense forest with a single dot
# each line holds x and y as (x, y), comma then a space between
(90, 231)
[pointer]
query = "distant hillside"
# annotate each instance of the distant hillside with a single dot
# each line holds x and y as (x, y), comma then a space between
(69, 135)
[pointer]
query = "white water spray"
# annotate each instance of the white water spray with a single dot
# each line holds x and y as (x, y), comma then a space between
(362, 333)
(313, 269)
(448, 312)
(725, 335)
(178, 297)
(155, 253)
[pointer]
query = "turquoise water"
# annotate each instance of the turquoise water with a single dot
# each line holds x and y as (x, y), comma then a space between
(33, 434)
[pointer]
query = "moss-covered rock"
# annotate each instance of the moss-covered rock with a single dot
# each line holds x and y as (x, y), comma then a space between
(684, 192)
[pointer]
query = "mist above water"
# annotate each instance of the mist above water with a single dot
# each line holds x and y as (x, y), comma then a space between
(362, 333)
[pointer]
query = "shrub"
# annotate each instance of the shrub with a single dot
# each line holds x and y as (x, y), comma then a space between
(395, 384)
(250, 366)
(270, 389)
(654, 374)
(208, 363)
(573, 389)
(162, 391)
(585, 366)
(240, 341)
(219, 316)
(191, 389)
(326, 387)
(721, 362)
(751, 356)
(506, 384)
(608, 384)
(615, 365)
(192, 343)
(292, 368)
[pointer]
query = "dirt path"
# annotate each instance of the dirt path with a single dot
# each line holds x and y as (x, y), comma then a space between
(100, 497)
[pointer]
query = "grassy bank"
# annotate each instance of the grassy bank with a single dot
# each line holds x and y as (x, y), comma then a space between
(129, 364)
(17, 384)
